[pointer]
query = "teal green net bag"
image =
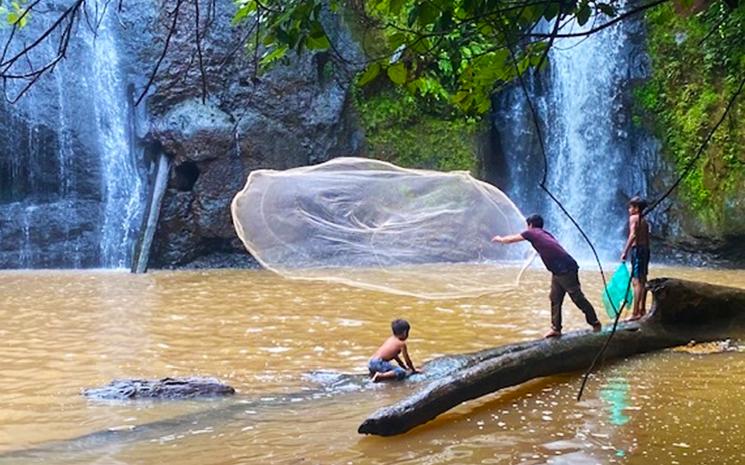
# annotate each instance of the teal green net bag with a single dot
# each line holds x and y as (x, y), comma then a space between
(618, 290)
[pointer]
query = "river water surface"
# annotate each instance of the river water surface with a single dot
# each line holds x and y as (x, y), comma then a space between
(281, 344)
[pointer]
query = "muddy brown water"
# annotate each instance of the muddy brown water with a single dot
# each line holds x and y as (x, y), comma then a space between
(269, 337)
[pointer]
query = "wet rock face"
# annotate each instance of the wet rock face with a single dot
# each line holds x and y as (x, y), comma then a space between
(296, 114)
(162, 389)
(293, 115)
(50, 186)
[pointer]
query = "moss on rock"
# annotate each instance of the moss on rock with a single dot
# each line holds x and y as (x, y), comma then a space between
(407, 131)
(698, 62)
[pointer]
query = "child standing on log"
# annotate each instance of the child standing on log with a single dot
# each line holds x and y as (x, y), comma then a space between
(638, 242)
(380, 365)
(564, 272)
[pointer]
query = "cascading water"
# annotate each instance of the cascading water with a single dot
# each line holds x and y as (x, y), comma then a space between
(591, 144)
(70, 188)
(122, 183)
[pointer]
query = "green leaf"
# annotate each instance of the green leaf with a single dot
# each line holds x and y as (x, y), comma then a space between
(606, 9)
(318, 43)
(428, 13)
(568, 6)
(397, 73)
(583, 14)
(551, 11)
(483, 103)
(317, 30)
(413, 16)
(395, 6)
(529, 14)
(370, 73)
(422, 46)
(274, 55)
(282, 36)
(317, 38)
(397, 39)
(245, 8)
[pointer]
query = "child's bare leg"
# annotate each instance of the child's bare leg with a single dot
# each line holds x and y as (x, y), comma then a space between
(635, 307)
(642, 296)
(377, 377)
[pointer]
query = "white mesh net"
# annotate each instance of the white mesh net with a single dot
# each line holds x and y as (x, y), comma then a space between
(371, 224)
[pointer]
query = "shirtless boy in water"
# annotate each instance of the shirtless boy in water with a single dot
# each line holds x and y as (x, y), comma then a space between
(638, 242)
(380, 365)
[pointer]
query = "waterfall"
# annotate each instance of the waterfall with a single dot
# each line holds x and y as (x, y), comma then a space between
(592, 147)
(70, 186)
(122, 184)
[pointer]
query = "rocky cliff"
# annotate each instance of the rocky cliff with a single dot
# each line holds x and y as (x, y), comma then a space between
(295, 114)
(55, 199)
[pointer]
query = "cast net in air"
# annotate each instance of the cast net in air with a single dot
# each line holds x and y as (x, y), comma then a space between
(371, 224)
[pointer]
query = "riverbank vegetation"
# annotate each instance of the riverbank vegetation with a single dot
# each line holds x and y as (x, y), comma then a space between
(698, 61)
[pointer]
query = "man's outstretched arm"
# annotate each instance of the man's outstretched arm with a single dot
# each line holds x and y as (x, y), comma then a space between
(508, 239)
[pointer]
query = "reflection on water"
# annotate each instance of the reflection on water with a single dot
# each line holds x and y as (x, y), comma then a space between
(287, 347)
(615, 393)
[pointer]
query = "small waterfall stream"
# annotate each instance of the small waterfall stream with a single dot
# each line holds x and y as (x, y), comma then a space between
(122, 183)
(72, 186)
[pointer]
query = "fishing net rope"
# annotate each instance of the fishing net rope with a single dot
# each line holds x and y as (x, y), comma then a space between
(371, 224)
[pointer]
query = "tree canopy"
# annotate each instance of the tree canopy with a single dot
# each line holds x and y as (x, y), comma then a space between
(454, 51)
(459, 50)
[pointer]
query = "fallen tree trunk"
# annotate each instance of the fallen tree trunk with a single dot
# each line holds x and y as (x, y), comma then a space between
(681, 311)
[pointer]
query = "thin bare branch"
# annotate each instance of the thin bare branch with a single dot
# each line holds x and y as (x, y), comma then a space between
(198, 39)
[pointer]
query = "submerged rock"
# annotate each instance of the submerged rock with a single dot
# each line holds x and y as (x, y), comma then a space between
(166, 388)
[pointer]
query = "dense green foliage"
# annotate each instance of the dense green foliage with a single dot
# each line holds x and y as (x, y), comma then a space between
(428, 63)
(454, 50)
(698, 61)
(404, 130)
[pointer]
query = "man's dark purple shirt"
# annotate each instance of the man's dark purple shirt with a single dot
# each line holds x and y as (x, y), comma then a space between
(556, 259)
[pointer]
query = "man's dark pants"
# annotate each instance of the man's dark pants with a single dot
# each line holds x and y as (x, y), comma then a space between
(568, 283)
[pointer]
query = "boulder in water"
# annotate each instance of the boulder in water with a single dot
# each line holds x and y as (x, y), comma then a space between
(166, 388)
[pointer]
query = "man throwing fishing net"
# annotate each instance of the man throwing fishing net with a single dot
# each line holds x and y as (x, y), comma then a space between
(564, 272)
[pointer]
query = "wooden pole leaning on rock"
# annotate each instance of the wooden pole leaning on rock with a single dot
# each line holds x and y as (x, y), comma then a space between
(681, 311)
(159, 183)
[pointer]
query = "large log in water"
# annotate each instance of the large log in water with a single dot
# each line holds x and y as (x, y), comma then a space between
(681, 311)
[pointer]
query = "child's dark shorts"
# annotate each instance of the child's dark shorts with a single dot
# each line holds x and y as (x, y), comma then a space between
(639, 261)
(378, 365)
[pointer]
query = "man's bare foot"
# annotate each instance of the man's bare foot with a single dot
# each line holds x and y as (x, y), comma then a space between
(376, 378)
(633, 317)
(597, 327)
(552, 333)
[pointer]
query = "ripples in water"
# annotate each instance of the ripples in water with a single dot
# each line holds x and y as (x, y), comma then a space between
(297, 354)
